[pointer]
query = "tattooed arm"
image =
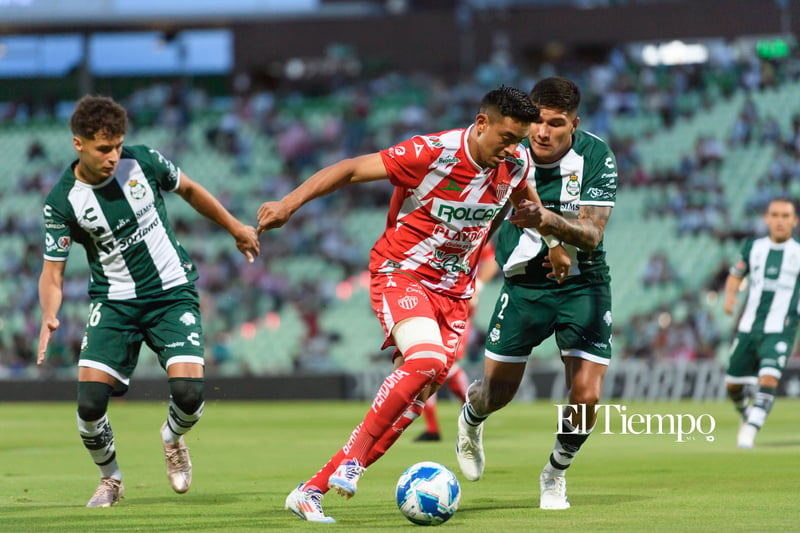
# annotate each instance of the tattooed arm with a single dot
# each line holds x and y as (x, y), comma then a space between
(585, 232)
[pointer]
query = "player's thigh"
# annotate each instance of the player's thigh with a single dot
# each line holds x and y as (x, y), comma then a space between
(584, 322)
(521, 320)
(744, 359)
(112, 338)
(174, 329)
(774, 351)
(398, 297)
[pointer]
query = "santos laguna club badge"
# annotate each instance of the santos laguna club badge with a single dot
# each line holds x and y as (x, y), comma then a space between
(494, 335)
(138, 190)
(573, 185)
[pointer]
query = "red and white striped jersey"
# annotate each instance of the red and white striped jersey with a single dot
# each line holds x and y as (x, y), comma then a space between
(441, 209)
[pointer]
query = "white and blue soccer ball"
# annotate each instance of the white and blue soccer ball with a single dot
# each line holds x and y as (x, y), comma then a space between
(428, 494)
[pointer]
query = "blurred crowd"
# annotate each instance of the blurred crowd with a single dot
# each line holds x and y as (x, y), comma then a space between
(233, 291)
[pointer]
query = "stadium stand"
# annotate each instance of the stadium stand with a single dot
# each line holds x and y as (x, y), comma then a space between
(305, 306)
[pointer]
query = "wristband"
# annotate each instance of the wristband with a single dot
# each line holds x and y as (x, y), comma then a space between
(551, 241)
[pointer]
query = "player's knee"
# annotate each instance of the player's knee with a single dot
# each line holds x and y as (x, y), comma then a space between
(187, 393)
(93, 399)
(499, 393)
(734, 387)
(427, 362)
(588, 398)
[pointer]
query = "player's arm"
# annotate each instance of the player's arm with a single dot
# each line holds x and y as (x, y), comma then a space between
(207, 205)
(732, 284)
(51, 283)
(585, 232)
(360, 169)
(558, 258)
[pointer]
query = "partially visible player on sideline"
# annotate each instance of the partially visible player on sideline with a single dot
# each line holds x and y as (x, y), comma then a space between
(447, 189)
(457, 380)
(576, 178)
(767, 329)
(141, 284)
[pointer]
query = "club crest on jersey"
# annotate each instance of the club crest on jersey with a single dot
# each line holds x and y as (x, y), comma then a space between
(138, 190)
(408, 302)
(573, 186)
(502, 190)
(494, 335)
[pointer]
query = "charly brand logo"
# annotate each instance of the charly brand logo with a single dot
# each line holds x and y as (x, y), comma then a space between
(614, 419)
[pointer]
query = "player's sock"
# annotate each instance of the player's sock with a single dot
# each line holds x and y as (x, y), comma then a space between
(568, 443)
(457, 382)
(390, 437)
(98, 439)
(185, 408)
(94, 427)
(471, 416)
(396, 394)
(319, 481)
(762, 404)
(741, 400)
(429, 412)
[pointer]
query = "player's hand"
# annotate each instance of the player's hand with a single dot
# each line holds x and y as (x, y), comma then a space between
(728, 306)
(247, 242)
(559, 261)
(272, 215)
(528, 215)
(48, 327)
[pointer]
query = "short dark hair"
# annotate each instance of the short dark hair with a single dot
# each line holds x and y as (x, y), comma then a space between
(510, 102)
(98, 114)
(782, 200)
(556, 93)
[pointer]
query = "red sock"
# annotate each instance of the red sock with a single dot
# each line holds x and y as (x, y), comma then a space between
(429, 411)
(396, 394)
(390, 437)
(320, 480)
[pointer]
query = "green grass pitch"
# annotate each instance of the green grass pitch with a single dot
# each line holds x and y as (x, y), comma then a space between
(248, 455)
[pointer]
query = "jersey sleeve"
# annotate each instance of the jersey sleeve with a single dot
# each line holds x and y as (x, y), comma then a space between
(166, 174)
(741, 267)
(600, 188)
(407, 163)
(57, 233)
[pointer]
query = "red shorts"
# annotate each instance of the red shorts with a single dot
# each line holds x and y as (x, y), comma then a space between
(396, 297)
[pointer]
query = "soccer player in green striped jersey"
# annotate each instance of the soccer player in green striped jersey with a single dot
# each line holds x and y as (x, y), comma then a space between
(576, 178)
(767, 328)
(141, 282)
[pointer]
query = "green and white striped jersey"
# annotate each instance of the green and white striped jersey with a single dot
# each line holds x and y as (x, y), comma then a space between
(773, 270)
(586, 175)
(122, 224)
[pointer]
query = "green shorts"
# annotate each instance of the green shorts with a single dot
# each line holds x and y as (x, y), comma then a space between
(754, 354)
(169, 323)
(579, 315)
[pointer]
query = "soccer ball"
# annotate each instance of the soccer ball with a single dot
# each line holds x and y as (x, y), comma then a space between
(428, 494)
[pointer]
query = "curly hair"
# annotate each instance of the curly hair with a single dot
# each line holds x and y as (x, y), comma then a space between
(556, 93)
(510, 102)
(98, 114)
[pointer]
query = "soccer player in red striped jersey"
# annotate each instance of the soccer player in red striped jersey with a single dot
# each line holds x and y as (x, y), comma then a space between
(448, 187)
(458, 380)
